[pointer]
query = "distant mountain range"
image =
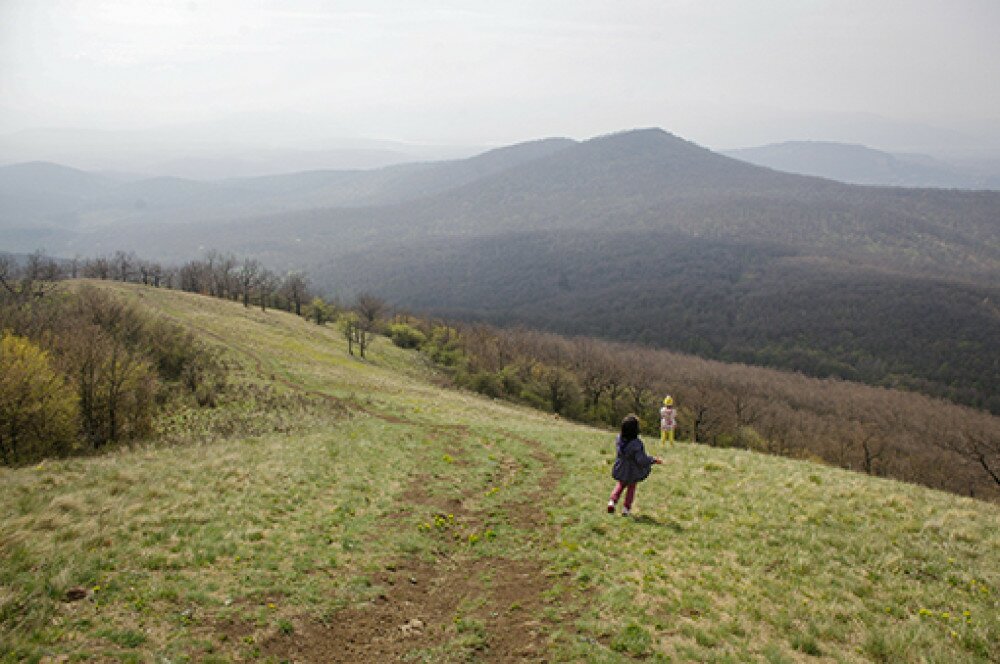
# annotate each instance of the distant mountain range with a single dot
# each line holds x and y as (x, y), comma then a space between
(639, 236)
(219, 150)
(857, 164)
(40, 194)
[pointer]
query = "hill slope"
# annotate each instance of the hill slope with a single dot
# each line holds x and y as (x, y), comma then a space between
(858, 164)
(703, 243)
(39, 195)
(335, 510)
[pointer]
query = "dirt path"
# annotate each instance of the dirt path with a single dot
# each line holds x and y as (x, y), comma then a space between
(458, 605)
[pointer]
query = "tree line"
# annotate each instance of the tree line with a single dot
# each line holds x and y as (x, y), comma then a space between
(882, 432)
(878, 431)
(757, 303)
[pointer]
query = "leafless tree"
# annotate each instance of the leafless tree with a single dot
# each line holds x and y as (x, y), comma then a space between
(590, 364)
(98, 267)
(32, 281)
(248, 275)
(978, 448)
(296, 289)
(125, 264)
(370, 309)
(267, 283)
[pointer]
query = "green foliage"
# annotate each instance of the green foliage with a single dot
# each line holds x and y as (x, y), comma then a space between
(484, 382)
(38, 409)
(443, 346)
(319, 311)
(119, 363)
(633, 640)
(406, 336)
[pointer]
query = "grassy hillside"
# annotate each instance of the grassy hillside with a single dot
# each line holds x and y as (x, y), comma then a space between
(335, 510)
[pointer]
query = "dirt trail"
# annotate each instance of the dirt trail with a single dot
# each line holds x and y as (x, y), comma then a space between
(491, 606)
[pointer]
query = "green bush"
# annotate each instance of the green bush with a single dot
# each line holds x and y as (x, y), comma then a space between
(487, 383)
(101, 358)
(38, 409)
(406, 336)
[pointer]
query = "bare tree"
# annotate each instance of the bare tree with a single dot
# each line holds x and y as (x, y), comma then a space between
(248, 274)
(744, 398)
(267, 283)
(978, 448)
(296, 289)
(869, 441)
(370, 309)
(348, 324)
(97, 268)
(32, 281)
(125, 264)
(590, 363)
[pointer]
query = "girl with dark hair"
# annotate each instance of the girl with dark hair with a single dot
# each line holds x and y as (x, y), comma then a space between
(632, 464)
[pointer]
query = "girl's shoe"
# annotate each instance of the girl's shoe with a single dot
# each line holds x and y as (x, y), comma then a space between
(611, 507)
(625, 512)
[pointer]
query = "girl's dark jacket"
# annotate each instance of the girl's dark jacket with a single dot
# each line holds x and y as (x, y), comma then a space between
(632, 464)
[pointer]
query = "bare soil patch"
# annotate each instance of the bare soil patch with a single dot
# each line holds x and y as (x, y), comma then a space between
(419, 609)
(492, 606)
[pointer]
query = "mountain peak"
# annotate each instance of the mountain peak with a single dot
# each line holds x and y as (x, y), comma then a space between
(638, 134)
(651, 140)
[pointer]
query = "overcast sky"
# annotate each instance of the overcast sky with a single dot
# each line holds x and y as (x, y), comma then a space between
(725, 74)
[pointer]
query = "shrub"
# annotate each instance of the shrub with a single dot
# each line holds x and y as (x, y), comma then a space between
(38, 410)
(486, 383)
(406, 336)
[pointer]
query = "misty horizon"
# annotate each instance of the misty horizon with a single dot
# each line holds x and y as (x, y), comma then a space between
(198, 78)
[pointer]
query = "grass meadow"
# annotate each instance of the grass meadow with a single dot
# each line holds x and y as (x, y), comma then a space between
(334, 509)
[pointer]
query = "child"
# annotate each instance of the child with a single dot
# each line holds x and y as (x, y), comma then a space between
(667, 421)
(632, 465)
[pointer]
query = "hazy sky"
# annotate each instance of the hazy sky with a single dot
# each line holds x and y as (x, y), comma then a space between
(724, 73)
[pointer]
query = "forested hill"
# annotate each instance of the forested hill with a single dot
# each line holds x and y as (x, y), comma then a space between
(645, 236)
(41, 199)
(859, 164)
(641, 180)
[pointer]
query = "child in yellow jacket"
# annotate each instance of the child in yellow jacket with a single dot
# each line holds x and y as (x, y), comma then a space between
(668, 419)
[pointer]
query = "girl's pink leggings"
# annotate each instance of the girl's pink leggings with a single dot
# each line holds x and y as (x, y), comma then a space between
(629, 494)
